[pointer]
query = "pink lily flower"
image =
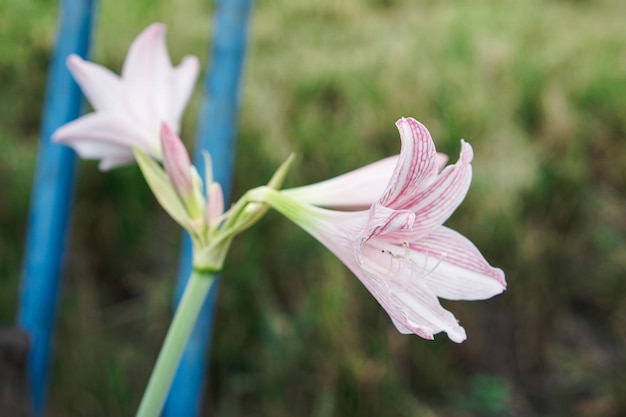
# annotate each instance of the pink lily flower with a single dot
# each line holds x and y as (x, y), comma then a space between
(130, 108)
(399, 248)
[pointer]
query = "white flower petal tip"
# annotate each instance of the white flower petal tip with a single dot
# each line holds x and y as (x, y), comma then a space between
(76, 65)
(442, 160)
(467, 152)
(73, 62)
(457, 334)
(100, 136)
(149, 91)
(155, 29)
(398, 247)
(189, 66)
(148, 42)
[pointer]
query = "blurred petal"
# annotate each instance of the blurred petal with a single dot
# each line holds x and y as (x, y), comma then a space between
(147, 60)
(102, 88)
(184, 78)
(145, 72)
(130, 109)
(110, 162)
(102, 136)
(105, 128)
(98, 149)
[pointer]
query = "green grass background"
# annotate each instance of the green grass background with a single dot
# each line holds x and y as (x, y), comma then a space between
(537, 87)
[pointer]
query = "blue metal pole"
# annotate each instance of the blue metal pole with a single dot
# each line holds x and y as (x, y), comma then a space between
(51, 197)
(217, 133)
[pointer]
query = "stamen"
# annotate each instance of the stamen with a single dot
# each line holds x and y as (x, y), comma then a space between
(425, 270)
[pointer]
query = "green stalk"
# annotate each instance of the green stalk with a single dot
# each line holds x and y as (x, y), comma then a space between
(185, 317)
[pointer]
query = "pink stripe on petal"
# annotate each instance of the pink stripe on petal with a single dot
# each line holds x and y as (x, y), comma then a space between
(395, 282)
(435, 204)
(416, 167)
(419, 310)
(383, 220)
(454, 268)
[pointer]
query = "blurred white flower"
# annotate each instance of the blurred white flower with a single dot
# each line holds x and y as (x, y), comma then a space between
(130, 108)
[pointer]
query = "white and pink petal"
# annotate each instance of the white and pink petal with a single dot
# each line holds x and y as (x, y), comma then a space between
(183, 80)
(385, 221)
(417, 309)
(147, 60)
(104, 129)
(102, 87)
(146, 74)
(453, 268)
(354, 190)
(417, 166)
(394, 280)
(398, 248)
(436, 203)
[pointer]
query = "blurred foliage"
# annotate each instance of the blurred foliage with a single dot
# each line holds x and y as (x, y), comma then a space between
(537, 87)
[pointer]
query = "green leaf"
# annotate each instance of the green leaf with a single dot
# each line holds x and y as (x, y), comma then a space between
(162, 188)
(279, 176)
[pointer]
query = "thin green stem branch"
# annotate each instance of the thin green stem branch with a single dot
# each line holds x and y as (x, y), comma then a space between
(185, 317)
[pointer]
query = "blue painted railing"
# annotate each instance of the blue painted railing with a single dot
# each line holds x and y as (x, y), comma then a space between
(54, 179)
(217, 132)
(51, 198)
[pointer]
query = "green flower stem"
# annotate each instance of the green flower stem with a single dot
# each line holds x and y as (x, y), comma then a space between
(197, 288)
